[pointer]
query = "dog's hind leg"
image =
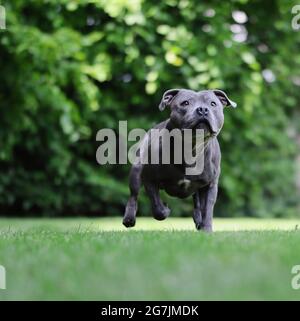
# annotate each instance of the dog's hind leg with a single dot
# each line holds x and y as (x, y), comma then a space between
(159, 210)
(135, 182)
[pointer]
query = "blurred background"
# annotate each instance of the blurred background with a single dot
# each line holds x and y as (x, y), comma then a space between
(70, 68)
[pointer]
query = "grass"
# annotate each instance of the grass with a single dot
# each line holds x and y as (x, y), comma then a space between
(97, 259)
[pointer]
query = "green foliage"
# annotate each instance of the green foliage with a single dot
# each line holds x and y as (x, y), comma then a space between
(70, 68)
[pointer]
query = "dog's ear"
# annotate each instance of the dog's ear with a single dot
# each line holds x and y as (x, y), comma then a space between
(167, 98)
(226, 102)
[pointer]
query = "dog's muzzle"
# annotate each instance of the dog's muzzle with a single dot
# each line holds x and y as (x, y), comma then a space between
(204, 124)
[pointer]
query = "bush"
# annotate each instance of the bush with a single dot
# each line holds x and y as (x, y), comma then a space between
(70, 68)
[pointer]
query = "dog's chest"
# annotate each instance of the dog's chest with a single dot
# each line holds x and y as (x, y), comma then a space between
(185, 186)
(188, 184)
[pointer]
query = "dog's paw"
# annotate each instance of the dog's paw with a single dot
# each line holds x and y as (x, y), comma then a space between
(197, 217)
(198, 226)
(129, 221)
(204, 228)
(130, 214)
(161, 213)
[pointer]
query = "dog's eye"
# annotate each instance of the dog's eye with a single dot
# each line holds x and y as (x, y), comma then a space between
(185, 103)
(213, 104)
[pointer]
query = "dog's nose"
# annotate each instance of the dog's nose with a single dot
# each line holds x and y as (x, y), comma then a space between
(202, 111)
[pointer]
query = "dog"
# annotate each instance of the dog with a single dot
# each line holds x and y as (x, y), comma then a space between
(189, 110)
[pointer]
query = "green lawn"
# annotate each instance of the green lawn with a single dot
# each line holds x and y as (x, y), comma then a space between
(98, 259)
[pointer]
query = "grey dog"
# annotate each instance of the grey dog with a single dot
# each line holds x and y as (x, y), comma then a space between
(189, 110)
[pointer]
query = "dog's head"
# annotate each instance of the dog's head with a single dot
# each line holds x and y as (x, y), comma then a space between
(192, 110)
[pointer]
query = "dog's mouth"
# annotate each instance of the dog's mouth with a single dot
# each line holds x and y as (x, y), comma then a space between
(205, 125)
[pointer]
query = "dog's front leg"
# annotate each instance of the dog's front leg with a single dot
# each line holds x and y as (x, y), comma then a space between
(134, 185)
(210, 200)
(159, 210)
(197, 215)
